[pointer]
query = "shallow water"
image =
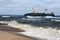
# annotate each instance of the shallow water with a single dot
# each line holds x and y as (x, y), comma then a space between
(48, 32)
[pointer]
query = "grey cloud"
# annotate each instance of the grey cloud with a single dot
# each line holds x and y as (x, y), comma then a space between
(10, 6)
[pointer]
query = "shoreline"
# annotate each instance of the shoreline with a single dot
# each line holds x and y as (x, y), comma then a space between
(9, 33)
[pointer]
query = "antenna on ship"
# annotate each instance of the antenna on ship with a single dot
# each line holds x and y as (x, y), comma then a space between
(45, 10)
(34, 10)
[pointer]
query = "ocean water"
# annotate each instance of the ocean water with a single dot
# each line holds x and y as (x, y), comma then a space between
(35, 27)
(43, 32)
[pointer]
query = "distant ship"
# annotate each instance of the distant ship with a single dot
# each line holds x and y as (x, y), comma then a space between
(35, 13)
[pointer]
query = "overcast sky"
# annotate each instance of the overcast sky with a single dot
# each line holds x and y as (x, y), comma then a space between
(19, 7)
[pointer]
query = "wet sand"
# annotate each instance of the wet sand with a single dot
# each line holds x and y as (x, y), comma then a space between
(12, 36)
(10, 29)
(7, 33)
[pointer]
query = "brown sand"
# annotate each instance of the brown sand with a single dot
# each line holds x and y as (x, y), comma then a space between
(11, 36)
(10, 29)
(7, 33)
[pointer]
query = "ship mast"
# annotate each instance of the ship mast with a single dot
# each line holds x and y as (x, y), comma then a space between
(45, 10)
(34, 10)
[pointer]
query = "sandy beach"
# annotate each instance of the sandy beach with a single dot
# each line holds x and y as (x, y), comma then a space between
(7, 33)
(10, 29)
(19, 31)
(11, 36)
